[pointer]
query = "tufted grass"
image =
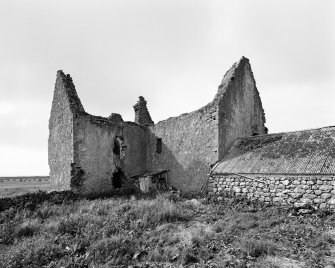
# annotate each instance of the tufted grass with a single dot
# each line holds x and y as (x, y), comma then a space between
(162, 230)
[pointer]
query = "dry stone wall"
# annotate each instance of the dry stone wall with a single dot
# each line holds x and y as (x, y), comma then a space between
(15, 180)
(294, 190)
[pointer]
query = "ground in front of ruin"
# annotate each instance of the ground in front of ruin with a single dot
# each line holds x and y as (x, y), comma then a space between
(165, 230)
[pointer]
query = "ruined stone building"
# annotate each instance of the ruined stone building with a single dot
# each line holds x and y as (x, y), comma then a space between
(226, 138)
(87, 152)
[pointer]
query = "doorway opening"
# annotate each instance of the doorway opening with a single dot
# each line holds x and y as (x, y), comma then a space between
(117, 178)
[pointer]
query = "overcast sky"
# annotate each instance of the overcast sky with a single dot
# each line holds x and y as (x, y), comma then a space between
(173, 52)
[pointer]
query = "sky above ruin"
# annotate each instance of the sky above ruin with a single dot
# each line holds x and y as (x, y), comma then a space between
(174, 53)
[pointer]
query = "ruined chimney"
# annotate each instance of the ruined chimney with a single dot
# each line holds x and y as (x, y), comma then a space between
(142, 116)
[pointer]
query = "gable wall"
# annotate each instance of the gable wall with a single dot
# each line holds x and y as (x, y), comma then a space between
(60, 142)
(240, 109)
(193, 142)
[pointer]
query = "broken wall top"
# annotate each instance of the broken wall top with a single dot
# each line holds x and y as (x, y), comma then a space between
(64, 82)
(142, 115)
(237, 69)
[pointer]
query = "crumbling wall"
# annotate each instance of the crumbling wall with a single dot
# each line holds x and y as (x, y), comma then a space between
(135, 142)
(106, 154)
(297, 190)
(115, 118)
(85, 151)
(240, 108)
(193, 142)
(142, 115)
(65, 107)
(189, 147)
(94, 155)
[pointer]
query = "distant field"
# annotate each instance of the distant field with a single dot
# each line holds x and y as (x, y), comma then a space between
(10, 186)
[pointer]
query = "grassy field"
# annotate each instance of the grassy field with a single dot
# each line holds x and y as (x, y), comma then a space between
(16, 186)
(164, 231)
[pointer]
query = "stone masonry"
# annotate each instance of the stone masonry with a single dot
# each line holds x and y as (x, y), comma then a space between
(92, 154)
(142, 116)
(194, 142)
(295, 168)
(226, 138)
(298, 191)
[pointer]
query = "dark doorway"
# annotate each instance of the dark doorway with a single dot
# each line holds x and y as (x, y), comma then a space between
(117, 178)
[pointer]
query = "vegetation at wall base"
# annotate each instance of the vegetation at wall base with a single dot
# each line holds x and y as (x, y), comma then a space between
(165, 230)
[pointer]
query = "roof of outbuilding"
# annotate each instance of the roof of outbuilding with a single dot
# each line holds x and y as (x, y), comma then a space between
(301, 152)
(150, 173)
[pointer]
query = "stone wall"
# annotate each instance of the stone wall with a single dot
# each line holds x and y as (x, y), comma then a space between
(240, 109)
(65, 106)
(189, 147)
(135, 142)
(193, 142)
(296, 190)
(87, 153)
(104, 150)
(91, 154)
(142, 115)
(20, 179)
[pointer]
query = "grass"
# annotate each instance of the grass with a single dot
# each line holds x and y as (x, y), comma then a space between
(166, 230)
(13, 190)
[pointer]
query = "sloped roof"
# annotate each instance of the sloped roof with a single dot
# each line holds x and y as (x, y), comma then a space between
(301, 152)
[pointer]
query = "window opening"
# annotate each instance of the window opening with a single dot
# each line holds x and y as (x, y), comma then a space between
(158, 145)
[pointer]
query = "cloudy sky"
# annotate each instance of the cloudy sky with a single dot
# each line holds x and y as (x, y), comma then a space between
(173, 52)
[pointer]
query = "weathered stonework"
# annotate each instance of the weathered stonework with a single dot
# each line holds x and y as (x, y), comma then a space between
(142, 116)
(222, 147)
(295, 168)
(193, 142)
(103, 148)
(240, 109)
(115, 118)
(82, 153)
(65, 107)
(92, 154)
(189, 147)
(317, 191)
